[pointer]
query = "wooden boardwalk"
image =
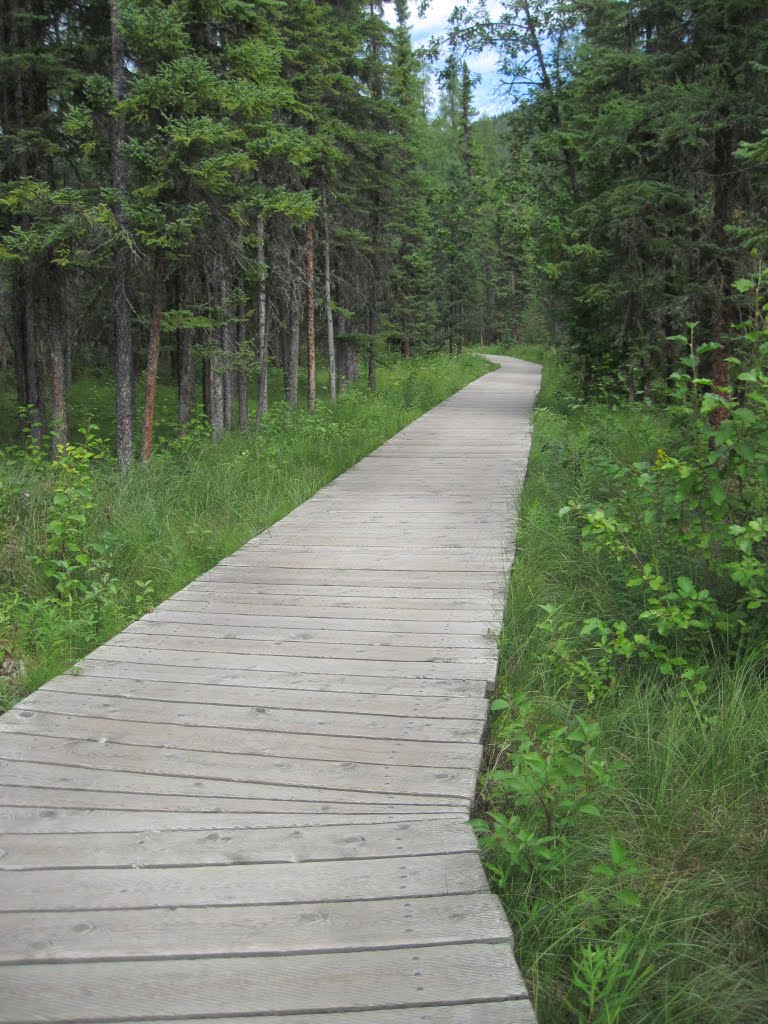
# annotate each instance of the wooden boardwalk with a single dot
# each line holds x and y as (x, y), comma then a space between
(251, 805)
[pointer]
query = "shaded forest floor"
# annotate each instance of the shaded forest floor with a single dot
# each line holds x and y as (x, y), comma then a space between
(83, 552)
(625, 830)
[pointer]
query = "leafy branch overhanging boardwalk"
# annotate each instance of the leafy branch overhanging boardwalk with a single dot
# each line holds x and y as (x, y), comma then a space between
(251, 805)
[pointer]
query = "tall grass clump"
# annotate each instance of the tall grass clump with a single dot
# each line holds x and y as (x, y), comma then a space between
(83, 551)
(622, 812)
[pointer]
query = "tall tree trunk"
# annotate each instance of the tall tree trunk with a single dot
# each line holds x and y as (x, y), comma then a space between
(291, 367)
(186, 376)
(124, 395)
(725, 179)
(329, 307)
(17, 340)
(212, 365)
(216, 395)
(153, 356)
(28, 356)
(261, 308)
(241, 379)
(348, 369)
(124, 370)
(228, 352)
(35, 401)
(311, 379)
(185, 364)
(373, 327)
(205, 382)
(58, 369)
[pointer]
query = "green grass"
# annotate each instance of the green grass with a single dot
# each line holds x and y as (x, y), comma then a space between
(688, 809)
(192, 505)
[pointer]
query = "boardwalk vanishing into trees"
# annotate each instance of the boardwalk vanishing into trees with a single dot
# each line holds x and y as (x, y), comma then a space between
(253, 802)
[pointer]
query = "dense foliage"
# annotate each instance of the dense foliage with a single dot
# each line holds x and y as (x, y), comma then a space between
(194, 191)
(639, 158)
(622, 809)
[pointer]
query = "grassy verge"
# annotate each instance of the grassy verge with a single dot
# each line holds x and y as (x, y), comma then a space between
(624, 831)
(83, 552)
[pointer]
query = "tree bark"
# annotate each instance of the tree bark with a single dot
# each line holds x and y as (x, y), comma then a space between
(58, 368)
(186, 377)
(291, 367)
(213, 386)
(348, 370)
(216, 395)
(241, 380)
(153, 355)
(227, 343)
(185, 366)
(124, 404)
(371, 366)
(35, 401)
(311, 378)
(329, 308)
(261, 303)
(725, 178)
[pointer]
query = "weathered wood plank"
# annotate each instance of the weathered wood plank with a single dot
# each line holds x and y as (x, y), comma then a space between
(107, 992)
(38, 821)
(240, 884)
(340, 656)
(111, 663)
(256, 717)
(332, 775)
(305, 557)
(413, 837)
(416, 579)
(55, 776)
(210, 654)
(317, 701)
(327, 643)
(314, 747)
(511, 1011)
(249, 930)
(331, 596)
(395, 621)
(170, 623)
(32, 798)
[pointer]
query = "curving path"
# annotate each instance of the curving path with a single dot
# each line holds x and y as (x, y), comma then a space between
(251, 805)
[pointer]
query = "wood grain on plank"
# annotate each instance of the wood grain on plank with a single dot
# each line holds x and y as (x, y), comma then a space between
(285, 699)
(510, 1011)
(112, 991)
(257, 717)
(413, 837)
(239, 884)
(362, 750)
(237, 931)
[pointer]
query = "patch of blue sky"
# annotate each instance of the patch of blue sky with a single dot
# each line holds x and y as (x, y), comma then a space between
(490, 97)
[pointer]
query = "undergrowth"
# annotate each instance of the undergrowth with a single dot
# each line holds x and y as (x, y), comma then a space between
(622, 812)
(84, 551)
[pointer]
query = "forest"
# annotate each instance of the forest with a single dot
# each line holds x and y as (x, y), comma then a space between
(243, 242)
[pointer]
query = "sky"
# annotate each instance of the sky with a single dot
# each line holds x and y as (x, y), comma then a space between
(434, 23)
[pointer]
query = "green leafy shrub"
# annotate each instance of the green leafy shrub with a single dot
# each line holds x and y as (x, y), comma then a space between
(685, 534)
(652, 909)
